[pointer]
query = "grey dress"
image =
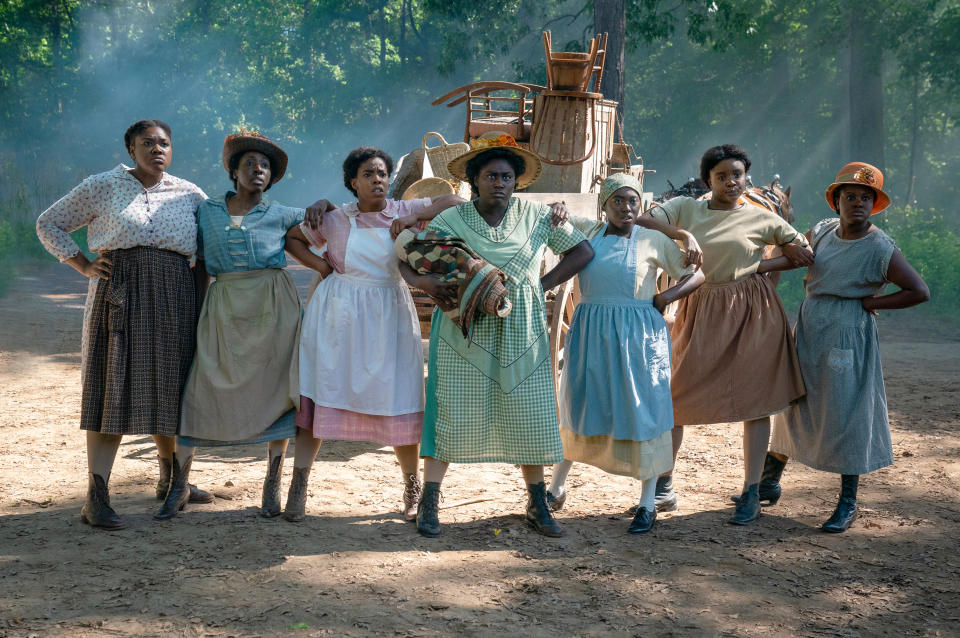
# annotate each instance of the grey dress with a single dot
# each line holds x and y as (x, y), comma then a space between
(841, 424)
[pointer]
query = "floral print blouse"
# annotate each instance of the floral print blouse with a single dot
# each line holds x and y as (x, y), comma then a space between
(120, 213)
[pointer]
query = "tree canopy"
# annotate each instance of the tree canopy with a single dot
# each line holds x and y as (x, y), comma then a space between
(804, 85)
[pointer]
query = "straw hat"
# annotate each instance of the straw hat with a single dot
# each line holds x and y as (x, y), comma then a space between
(492, 140)
(252, 141)
(428, 187)
(860, 174)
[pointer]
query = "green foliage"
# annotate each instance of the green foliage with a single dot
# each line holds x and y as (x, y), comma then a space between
(18, 245)
(324, 76)
(933, 249)
(925, 238)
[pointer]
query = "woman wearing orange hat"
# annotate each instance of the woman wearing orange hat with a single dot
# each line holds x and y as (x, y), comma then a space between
(841, 425)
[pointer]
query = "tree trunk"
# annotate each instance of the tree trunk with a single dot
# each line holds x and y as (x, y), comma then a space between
(915, 140)
(56, 54)
(383, 41)
(610, 17)
(866, 87)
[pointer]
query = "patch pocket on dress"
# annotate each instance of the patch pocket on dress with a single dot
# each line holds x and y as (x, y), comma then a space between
(840, 360)
(116, 306)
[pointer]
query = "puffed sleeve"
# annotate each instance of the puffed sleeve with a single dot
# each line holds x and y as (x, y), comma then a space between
(293, 216)
(670, 257)
(669, 211)
(315, 237)
(589, 227)
(779, 232)
(412, 206)
(563, 237)
(74, 210)
(882, 255)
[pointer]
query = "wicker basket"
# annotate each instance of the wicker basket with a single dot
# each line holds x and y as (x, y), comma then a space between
(431, 187)
(440, 156)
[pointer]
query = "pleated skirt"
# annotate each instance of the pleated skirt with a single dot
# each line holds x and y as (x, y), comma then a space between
(733, 355)
(139, 343)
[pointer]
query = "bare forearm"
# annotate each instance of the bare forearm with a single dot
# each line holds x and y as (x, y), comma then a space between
(572, 262)
(682, 288)
(301, 252)
(411, 276)
(437, 206)
(78, 262)
(896, 300)
(669, 230)
(775, 264)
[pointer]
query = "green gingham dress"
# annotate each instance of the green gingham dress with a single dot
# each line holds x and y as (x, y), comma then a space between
(493, 400)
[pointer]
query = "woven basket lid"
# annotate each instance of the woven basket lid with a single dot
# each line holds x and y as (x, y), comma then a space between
(428, 187)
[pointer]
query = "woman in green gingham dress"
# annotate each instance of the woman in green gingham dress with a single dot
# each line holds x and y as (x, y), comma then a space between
(492, 399)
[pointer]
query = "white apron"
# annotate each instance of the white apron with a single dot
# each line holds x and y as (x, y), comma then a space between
(360, 347)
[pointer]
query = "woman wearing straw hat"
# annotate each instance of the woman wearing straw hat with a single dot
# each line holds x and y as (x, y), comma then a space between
(490, 397)
(361, 357)
(841, 424)
(243, 386)
(140, 314)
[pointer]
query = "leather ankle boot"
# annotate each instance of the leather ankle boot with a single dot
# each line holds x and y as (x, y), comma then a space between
(163, 482)
(664, 498)
(643, 521)
(97, 512)
(748, 507)
(270, 501)
(296, 509)
(538, 515)
(769, 491)
(556, 502)
(428, 510)
(163, 485)
(179, 492)
(411, 496)
(846, 511)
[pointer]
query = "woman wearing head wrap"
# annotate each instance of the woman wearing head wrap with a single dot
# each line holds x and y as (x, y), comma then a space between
(614, 403)
(243, 386)
(841, 425)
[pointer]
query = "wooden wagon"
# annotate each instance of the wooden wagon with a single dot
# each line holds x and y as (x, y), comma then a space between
(571, 127)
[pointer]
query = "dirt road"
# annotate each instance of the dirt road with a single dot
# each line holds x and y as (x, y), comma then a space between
(354, 568)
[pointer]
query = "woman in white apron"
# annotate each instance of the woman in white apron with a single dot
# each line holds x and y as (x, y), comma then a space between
(361, 358)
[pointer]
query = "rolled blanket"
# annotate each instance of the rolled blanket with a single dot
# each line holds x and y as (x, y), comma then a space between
(480, 285)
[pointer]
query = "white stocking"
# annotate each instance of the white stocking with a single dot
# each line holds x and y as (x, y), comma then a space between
(559, 476)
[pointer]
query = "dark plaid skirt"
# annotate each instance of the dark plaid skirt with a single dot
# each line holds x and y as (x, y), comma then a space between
(142, 333)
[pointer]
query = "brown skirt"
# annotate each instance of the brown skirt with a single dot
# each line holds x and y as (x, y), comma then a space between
(142, 332)
(733, 356)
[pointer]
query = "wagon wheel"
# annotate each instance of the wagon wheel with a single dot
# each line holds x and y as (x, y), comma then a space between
(560, 314)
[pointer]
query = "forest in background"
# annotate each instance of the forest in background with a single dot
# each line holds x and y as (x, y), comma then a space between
(803, 85)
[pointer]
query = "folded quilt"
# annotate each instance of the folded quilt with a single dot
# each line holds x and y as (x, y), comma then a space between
(480, 285)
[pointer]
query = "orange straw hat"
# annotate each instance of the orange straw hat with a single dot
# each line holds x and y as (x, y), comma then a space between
(458, 165)
(252, 141)
(860, 174)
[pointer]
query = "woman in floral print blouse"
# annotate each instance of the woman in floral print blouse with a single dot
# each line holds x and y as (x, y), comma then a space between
(139, 320)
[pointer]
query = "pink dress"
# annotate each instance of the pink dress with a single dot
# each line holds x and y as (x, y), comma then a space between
(361, 357)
